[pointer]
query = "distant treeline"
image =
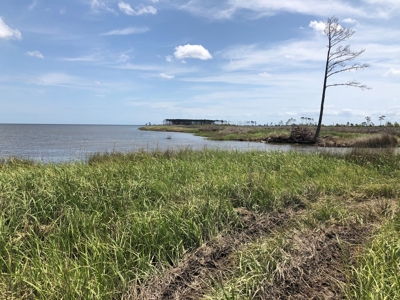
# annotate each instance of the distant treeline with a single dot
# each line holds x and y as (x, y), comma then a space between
(193, 122)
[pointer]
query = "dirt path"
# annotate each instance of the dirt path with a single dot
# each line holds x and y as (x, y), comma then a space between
(316, 269)
(318, 264)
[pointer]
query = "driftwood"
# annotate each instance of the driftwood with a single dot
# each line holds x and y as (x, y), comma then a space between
(298, 134)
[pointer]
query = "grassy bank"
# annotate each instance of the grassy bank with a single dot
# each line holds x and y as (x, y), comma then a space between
(332, 136)
(93, 230)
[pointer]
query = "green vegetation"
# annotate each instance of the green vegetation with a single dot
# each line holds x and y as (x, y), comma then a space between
(330, 135)
(223, 132)
(377, 274)
(91, 230)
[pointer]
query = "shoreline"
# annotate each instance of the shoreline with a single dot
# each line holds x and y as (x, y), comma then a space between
(331, 136)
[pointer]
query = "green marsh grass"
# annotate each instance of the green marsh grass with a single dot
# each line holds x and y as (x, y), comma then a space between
(86, 230)
(343, 135)
(256, 268)
(377, 273)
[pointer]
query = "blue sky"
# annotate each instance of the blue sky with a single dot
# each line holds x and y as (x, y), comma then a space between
(139, 61)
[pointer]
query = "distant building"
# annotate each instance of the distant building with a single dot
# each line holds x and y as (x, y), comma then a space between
(192, 122)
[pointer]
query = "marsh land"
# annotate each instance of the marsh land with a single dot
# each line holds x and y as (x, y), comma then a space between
(204, 224)
(331, 136)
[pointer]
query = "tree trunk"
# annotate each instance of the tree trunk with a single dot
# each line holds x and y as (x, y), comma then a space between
(323, 94)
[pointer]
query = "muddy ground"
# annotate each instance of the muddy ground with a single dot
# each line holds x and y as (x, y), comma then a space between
(317, 268)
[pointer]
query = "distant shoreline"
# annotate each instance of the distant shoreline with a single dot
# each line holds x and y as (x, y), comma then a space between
(331, 136)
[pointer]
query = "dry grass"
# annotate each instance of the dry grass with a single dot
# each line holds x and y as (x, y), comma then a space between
(383, 140)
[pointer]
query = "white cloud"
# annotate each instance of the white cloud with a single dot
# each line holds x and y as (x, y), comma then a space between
(127, 31)
(64, 80)
(165, 76)
(317, 26)
(192, 51)
(391, 4)
(278, 56)
(35, 54)
(259, 8)
(91, 57)
(349, 20)
(129, 66)
(55, 79)
(127, 9)
(32, 6)
(8, 33)
(392, 72)
(98, 6)
(168, 58)
(123, 57)
(265, 74)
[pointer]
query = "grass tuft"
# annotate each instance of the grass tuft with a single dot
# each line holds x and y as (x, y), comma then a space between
(377, 273)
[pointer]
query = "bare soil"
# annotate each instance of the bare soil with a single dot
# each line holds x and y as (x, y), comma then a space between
(319, 263)
(319, 260)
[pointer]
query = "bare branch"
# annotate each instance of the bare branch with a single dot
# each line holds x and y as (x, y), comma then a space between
(354, 67)
(352, 83)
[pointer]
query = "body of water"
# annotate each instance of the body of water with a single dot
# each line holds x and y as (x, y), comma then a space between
(58, 143)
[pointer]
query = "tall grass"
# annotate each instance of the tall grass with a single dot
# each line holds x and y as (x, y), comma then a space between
(85, 230)
(377, 274)
(383, 140)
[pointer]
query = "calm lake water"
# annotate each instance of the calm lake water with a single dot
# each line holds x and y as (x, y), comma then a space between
(59, 143)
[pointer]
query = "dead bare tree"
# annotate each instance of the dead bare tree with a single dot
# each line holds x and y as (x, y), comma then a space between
(337, 61)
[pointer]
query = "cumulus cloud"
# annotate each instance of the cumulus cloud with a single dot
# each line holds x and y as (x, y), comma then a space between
(127, 9)
(35, 54)
(127, 31)
(317, 26)
(349, 20)
(7, 33)
(165, 76)
(192, 51)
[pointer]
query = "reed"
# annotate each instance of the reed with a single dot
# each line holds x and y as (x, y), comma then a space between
(383, 140)
(86, 230)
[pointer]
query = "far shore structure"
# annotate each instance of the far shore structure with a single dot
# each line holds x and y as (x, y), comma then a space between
(192, 122)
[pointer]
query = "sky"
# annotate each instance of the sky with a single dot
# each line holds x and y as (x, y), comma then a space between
(140, 61)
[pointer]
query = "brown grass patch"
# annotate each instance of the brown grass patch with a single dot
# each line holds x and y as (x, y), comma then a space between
(318, 263)
(383, 140)
(188, 279)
